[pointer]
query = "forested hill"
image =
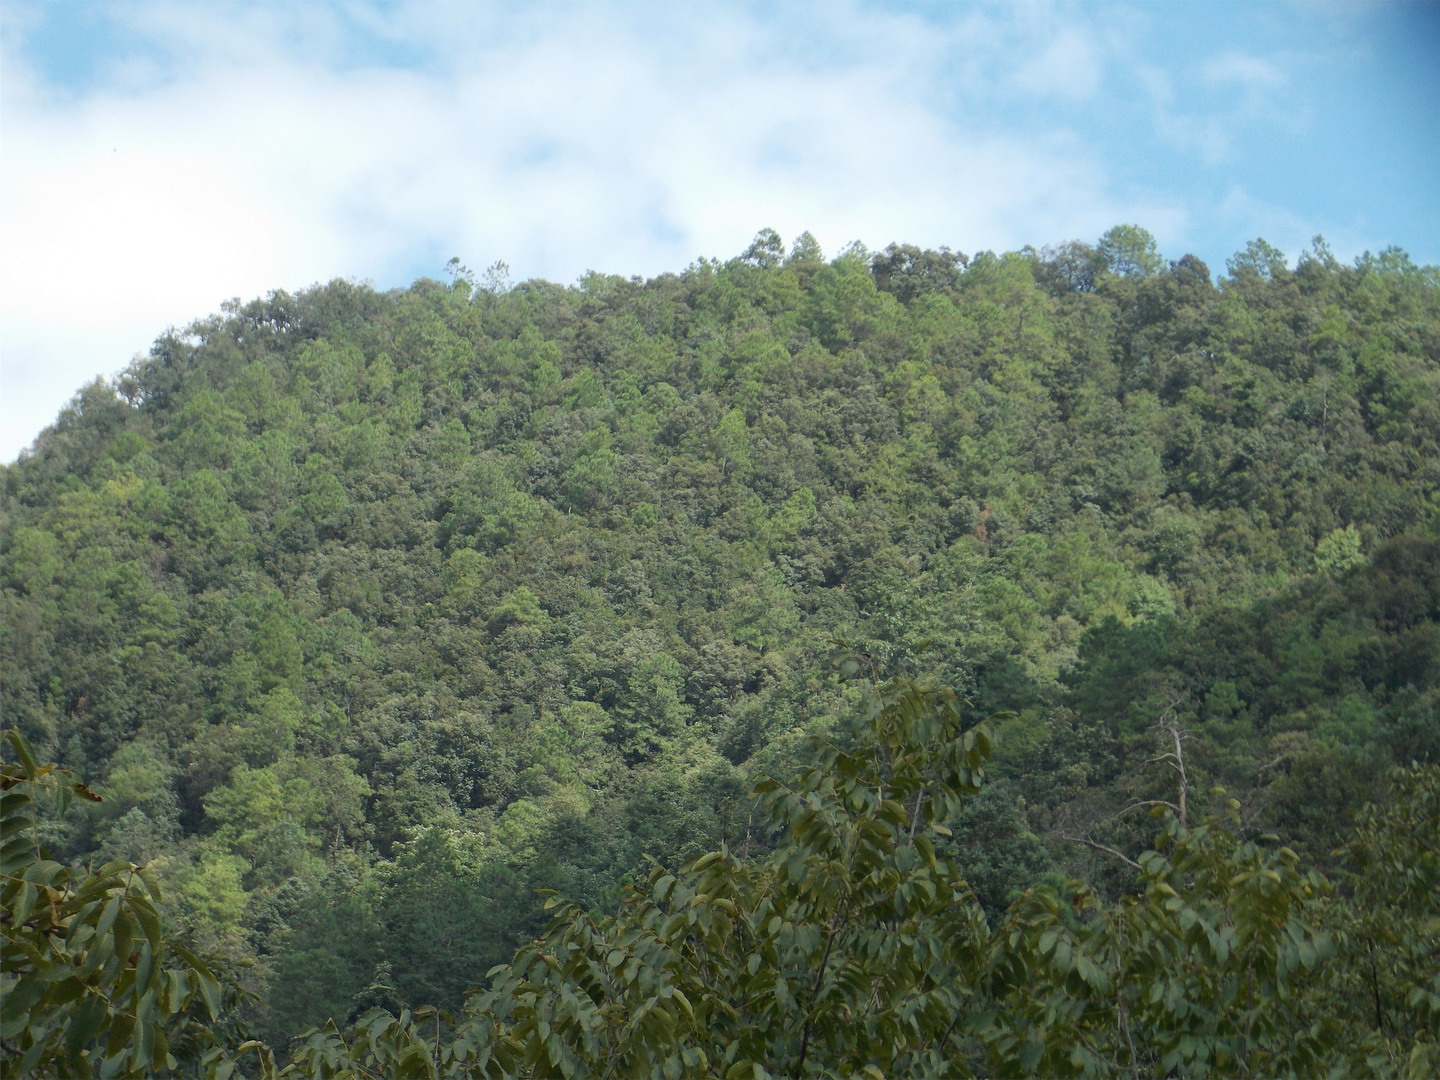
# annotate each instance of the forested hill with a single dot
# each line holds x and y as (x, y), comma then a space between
(371, 613)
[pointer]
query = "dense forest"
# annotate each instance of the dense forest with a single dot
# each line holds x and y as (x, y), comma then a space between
(1044, 617)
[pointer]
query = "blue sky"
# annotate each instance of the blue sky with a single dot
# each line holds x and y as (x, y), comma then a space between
(157, 159)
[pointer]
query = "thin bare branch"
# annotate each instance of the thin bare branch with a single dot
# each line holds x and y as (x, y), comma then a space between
(1150, 803)
(1179, 765)
(1107, 850)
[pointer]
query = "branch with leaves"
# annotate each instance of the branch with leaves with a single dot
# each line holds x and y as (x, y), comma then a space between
(90, 982)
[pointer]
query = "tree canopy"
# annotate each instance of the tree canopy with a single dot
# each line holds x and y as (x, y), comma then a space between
(371, 614)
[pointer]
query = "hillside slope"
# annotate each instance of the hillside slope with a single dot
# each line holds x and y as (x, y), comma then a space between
(355, 604)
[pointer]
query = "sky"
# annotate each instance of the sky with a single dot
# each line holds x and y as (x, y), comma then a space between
(158, 159)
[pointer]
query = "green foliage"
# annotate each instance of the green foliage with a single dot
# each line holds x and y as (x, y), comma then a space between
(1129, 251)
(855, 948)
(91, 983)
(556, 571)
(1200, 974)
(1385, 991)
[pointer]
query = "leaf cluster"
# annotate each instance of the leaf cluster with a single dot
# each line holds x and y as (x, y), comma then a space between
(90, 984)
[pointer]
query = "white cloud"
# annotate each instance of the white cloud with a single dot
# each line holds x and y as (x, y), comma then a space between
(1227, 101)
(1204, 135)
(243, 150)
(1261, 90)
(1068, 65)
(1250, 72)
